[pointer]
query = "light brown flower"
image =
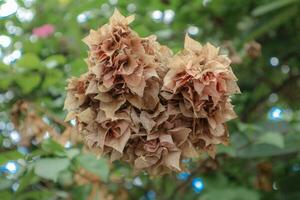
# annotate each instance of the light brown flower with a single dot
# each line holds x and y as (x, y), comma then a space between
(138, 104)
(198, 85)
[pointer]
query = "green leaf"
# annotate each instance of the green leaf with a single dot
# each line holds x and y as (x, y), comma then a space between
(36, 195)
(50, 146)
(28, 82)
(231, 193)
(6, 195)
(49, 168)
(72, 153)
(30, 61)
(97, 166)
(65, 178)
(263, 150)
(54, 61)
(5, 82)
(218, 186)
(261, 10)
(6, 76)
(275, 139)
(9, 155)
(226, 149)
(78, 66)
(5, 183)
(28, 179)
(81, 192)
(53, 78)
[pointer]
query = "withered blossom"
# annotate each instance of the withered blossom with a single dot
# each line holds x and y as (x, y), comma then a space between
(253, 49)
(199, 84)
(138, 104)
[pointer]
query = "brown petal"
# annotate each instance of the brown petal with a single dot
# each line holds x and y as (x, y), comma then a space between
(146, 121)
(92, 88)
(191, 44)
(86, 116)
(143, 162)
(179, 135)
(139, 90)
(104, 97)
(188, 150)
(166, 140)
(118, 143)
(117, 17)
(172, 159)
(115, 155)
(135, 78)
(111, 107)
(71, 115)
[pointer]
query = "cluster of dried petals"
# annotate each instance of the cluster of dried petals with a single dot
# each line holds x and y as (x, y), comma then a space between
(197, 87)
(138, 104)
(116, 102)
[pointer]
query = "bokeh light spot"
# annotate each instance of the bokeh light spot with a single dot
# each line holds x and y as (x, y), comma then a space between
(8, 8)
(275, 114)
(197, 185)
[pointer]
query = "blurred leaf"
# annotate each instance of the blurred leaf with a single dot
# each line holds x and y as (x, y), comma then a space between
(275, 5)
(5, 76)
(230, 193)
(36, 195)
(227, 150)
(5, 183)
(33, 47)
(65, 178)
(5, 82)
(50, 146)
(97, 166)
(53, 78)
(72, 153)
(28, 179)
(217, 186)
(28, 82)
(275, 139)
(9, 155)
(264, 150)
(30, 61)
(53, 61)
(49, 168)
(81, 192)
(289, 187)
(6, 195)
(78, 66)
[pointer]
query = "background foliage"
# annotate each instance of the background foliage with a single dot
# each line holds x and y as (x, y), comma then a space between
(41, 158)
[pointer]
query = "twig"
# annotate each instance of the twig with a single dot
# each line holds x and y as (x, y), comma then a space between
(52, 116)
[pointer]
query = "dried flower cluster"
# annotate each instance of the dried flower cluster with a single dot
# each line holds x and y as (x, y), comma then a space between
(140, 104)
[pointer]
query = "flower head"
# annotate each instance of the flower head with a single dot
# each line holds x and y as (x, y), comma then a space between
(138, 104)
(199, 84)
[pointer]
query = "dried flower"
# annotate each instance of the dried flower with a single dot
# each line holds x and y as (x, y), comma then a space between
(112, 102)
(198, 85)
(139, 104)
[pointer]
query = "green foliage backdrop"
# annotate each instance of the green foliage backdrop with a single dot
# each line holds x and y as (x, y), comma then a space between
(260, 36)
